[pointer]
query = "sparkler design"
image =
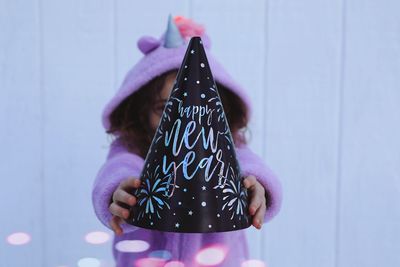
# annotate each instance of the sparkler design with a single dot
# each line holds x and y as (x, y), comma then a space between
(236, 196)
(152, 195)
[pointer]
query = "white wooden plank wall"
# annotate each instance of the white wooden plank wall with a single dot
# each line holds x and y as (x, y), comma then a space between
(324, 78)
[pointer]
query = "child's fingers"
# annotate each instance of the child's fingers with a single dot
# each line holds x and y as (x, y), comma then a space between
(130, 182)
(257, 193)
(119, 211)
(114, 223)
(125, 197)
(249, 181)
(257, 200)
(259, 216)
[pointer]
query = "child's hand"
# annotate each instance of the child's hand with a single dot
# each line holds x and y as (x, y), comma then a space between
(121, 196)
(257, 207)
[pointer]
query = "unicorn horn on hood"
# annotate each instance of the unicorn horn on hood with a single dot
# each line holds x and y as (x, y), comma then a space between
(173, 37)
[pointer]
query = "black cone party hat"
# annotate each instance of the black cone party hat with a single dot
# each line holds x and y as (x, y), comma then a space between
(191, 181)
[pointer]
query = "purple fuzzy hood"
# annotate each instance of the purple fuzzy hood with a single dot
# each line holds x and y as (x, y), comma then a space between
(157, 60)
(162, 248)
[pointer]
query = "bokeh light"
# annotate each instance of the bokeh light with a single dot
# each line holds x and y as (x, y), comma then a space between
(97, 237)
(132, 246)
(253, 263)
(149, 262)
(107, 263)
(175, 264)
(211, 255)
(161, 254)
(89, 262)
(18, 238)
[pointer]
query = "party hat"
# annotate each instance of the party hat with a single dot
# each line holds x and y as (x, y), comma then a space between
(191, 181)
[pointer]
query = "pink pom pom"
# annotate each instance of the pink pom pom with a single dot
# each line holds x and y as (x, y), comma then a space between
(188, 28)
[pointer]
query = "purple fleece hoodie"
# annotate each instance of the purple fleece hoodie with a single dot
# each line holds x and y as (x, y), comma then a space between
(176, 248)
(183, 247)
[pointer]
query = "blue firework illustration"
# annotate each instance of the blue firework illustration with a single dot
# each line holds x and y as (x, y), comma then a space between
(165, 116)
(167, 110)
(218, 105)
(152, 195)
(168, 107)
(221, 115)
(235, 198)
(160, 133)
(220, 111)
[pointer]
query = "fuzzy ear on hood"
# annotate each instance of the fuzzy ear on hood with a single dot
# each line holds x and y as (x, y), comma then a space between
(165, 54)
(146, 44)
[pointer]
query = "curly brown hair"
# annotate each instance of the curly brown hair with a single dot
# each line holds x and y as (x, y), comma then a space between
(130, 120)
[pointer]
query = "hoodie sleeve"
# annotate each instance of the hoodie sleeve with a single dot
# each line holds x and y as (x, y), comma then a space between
(119, 165)
(252, 164)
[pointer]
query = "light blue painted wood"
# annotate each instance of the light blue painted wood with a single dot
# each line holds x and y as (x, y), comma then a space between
(78, 76)
(21, 133)
(370, 164)
(302, 83)
(237, 37)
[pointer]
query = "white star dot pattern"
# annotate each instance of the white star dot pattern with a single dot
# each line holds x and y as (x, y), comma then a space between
(186, 212)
